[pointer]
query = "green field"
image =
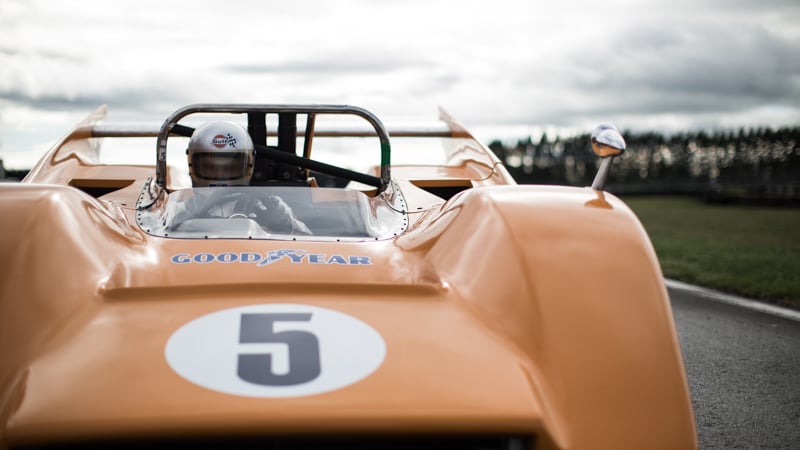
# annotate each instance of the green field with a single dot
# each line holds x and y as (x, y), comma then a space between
(745, 250)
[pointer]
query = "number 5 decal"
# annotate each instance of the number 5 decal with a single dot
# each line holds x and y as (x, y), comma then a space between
(275, 350)
(303, 349)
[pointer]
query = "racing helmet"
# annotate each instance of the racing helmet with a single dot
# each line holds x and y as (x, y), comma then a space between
(220, 153)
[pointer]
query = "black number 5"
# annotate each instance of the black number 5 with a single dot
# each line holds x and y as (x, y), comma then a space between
(304, 363)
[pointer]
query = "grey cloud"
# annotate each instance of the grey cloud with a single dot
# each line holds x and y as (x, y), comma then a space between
(701, 58)
(754, 5)
(44, 54)
(303, 67)
(142, 100)
(669, 69)
(330, 64)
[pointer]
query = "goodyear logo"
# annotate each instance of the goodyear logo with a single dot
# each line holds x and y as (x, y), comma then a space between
(263, 259)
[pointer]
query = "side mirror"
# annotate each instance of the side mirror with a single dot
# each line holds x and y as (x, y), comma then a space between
(607, 142)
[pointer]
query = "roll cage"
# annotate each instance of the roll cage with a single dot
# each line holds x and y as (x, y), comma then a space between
(280, 165)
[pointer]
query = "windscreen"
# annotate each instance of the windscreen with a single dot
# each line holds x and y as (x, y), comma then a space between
(256, 212)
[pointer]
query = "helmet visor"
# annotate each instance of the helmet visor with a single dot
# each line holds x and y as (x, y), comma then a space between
(219, 166)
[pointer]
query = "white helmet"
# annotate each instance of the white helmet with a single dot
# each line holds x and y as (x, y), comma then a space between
(220, 153)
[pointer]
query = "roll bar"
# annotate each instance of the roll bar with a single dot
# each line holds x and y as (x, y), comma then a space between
(311, 111)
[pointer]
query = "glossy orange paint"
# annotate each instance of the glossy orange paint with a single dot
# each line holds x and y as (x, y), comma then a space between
(507, 309)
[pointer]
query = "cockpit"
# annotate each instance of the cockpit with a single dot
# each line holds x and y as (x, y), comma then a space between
(243, 188)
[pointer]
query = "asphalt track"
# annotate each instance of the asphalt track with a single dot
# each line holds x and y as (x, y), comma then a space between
(743, 365)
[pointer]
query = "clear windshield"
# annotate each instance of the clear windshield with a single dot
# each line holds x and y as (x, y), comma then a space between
(295, 213)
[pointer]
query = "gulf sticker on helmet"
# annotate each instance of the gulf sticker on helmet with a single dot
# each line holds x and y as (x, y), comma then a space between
(275, 350)
(219, 141)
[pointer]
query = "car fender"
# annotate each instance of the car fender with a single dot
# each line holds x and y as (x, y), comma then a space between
(67, 240)
(570, 278)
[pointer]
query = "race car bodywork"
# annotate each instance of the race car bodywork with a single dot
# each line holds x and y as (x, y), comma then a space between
(432, 305)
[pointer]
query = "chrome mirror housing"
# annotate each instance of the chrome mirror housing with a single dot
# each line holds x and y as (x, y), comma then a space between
(607, 142)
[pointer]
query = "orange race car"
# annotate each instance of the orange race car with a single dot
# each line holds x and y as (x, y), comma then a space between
(396, 289)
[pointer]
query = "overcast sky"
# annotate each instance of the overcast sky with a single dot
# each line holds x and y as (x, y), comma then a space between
(502, 67)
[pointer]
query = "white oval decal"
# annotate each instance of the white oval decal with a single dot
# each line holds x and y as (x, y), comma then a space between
(275, 350)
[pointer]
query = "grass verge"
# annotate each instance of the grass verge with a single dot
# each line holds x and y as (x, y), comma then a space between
(745, 250)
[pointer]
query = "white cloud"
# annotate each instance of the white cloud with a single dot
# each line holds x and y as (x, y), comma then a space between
(502, 65)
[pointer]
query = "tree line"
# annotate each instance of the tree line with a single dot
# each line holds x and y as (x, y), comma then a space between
(756, 164)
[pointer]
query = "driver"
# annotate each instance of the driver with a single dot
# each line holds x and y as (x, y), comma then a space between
(221, 153)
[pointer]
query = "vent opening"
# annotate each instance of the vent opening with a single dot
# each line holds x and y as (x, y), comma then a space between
(98, 188)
